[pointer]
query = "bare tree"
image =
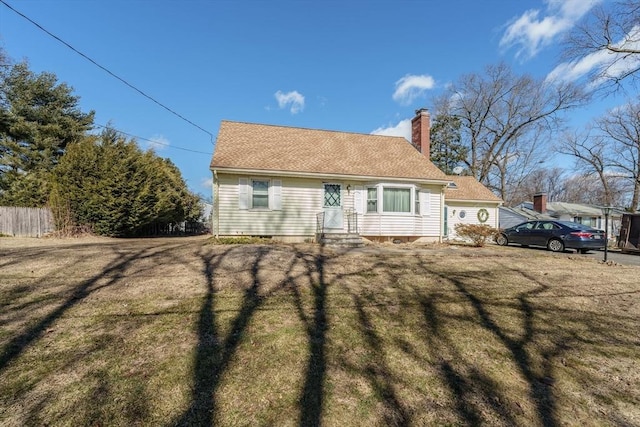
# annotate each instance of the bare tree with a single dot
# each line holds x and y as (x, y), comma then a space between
(542, 180)
(590, 153)
(504, 117)
(609, 38)
(621, 126)
(587, 188)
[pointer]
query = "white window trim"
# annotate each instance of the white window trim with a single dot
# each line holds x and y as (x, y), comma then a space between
(366, 200)
(380, 193)
(274, 191)
(251, 181)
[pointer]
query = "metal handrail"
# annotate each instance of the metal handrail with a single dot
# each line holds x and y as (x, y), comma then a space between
(352, 221)
(320, 223)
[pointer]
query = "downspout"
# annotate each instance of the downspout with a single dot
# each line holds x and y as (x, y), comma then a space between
(440, 233)
(215, 220)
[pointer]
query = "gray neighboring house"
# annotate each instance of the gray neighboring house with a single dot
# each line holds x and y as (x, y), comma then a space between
(590, 215)
(510, 217)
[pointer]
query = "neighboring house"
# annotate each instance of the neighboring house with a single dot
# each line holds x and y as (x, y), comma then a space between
(510, 217)
(467, 201)
(293, 183)
(589, 215)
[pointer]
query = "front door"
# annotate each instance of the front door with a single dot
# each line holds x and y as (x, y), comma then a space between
(332, 207)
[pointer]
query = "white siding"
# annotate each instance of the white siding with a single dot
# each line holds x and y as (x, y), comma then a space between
(471, 215)
(427, 224)
(300, 202)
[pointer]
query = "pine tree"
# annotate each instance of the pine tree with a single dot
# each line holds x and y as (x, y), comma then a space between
(447, 151)
(39, 117)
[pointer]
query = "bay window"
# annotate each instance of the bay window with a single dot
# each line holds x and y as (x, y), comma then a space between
(396, 200)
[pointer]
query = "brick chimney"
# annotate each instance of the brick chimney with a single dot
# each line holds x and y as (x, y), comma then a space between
(540, 202)
(421, 131)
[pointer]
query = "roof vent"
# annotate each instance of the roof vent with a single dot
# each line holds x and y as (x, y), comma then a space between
(452, 185)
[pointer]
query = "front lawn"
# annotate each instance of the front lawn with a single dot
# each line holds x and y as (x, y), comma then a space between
(164, 332)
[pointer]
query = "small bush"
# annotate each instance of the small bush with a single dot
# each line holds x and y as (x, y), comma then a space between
(476, 233)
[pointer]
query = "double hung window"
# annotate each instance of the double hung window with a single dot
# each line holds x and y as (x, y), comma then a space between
(372, 200)
(260, 194)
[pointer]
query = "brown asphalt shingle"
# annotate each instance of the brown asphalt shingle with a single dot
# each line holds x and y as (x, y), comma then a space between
(469, 188)
(278, 148)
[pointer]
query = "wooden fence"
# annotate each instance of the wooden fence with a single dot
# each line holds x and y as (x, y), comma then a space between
(25, 222)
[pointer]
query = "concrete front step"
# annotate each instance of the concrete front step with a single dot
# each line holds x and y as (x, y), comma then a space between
(352, 240)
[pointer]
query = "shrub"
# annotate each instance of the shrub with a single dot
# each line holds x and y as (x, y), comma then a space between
(478, 234)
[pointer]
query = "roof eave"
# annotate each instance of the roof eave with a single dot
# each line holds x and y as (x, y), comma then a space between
(269, 172)
(497, 202)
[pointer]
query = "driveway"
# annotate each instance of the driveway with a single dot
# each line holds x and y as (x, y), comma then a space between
(616, 256)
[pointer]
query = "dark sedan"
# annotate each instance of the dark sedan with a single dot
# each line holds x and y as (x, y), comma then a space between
(554, 235)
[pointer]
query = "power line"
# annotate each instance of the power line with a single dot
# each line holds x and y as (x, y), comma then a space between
(151, 140)
(107, 70)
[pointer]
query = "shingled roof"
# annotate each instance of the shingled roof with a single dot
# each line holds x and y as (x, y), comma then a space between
(258, 147)
(468, 188)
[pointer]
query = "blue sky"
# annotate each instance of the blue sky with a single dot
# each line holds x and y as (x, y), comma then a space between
(357, 66)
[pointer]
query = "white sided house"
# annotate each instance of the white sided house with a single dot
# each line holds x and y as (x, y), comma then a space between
(467, 201)
(296, 184)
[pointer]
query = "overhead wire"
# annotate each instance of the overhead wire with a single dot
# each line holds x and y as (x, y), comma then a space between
(109, 71)
(136, 137)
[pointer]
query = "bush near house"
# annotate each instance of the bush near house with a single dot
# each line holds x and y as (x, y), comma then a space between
(476, 233)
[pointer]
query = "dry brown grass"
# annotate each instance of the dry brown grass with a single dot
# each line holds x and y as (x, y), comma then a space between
(180, 332)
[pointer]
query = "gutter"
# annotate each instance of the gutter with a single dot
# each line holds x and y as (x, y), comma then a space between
(317, 175)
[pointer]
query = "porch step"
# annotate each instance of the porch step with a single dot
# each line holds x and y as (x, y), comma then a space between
(351, 240)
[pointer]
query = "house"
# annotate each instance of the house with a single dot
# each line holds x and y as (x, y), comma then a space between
(294, 184)
(467, 201)
(510, 217)
(590, 215)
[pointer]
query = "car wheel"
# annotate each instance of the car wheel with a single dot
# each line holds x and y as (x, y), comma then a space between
(502, 240)
(555, 245)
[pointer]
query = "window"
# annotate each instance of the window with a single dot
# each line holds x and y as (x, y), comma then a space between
(260, 194)
(332, 196)
(417, 202)
(588, 221)
(526, 226)
(372, 200)
(396, 200)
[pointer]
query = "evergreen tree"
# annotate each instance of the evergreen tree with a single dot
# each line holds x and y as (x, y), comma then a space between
(447, 151)
(39, 117)
(108, 184)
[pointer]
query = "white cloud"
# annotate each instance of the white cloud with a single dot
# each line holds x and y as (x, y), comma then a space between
(292, 100)
(157, 143)
(535, 30)
(403, 128)
(411, 87)
(604, 63)
(206, 183)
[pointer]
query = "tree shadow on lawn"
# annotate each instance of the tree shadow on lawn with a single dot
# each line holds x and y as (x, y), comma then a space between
(214, 352)
(68, 296)
(311, 401)
(114, 270)
(536, 351)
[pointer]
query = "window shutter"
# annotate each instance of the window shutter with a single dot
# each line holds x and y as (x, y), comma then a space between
(358, 199)
(425, 205)
(276, 195)
(243, 193)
